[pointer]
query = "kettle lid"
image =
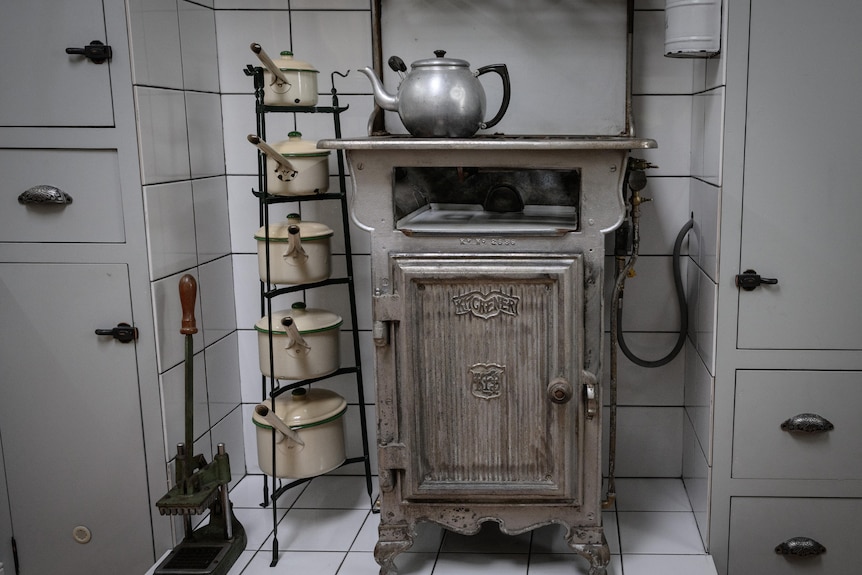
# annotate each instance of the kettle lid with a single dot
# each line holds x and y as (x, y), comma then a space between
(440, 60)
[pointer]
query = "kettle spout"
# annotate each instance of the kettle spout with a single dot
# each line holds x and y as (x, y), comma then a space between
(383, 98)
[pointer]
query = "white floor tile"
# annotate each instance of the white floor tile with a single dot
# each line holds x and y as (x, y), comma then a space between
(638, 494)
(335, 492)
(257, 524)
(480, 564)
(319, 529)
(664, 564)
(566, 564)
(295, 562)
(551, 539)
(659, 533)
(362, 563)
(489, 540)
(248, 493)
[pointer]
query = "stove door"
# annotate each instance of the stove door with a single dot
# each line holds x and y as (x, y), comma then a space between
(490, 356)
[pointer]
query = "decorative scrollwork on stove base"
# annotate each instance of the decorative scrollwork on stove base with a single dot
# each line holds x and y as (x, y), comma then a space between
(598, 554)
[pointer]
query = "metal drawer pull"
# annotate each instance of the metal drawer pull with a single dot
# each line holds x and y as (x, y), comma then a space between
(800, 547)
(45, 195)
(807, 423)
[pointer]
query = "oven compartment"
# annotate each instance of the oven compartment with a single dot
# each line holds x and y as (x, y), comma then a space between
(489, 358)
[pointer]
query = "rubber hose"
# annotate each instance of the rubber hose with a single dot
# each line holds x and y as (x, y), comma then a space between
(683, 309)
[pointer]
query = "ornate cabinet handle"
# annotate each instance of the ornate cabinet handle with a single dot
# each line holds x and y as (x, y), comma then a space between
(807, 423)
(44, 195)
(800, 547)
(591, 400)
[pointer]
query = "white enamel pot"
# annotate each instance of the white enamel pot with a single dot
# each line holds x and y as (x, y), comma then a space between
(299, 252)
(304, 342)
(312, 440)
(294, 167)
(287, 81)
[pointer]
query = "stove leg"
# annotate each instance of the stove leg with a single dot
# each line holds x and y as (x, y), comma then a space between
(393, 539)
(598, 554)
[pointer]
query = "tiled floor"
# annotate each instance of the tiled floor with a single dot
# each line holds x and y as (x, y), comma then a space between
(327, 529)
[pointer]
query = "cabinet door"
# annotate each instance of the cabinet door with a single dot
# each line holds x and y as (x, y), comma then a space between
(70, 422)
(42, 85)
(801, 200)
(480, 342)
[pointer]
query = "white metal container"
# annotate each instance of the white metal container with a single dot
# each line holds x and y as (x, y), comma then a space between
(305, 342)
(316, 416)
(293, 85)
(294, 167)
(692, 28)
(299, 252)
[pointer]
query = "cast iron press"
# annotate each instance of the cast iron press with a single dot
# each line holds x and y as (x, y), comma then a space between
(211, 549)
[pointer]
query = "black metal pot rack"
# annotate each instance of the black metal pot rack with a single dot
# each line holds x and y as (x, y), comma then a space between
(272, 387)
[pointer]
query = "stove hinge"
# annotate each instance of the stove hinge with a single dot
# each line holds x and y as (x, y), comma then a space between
(393, 456)
(591, 400)
(387, 308)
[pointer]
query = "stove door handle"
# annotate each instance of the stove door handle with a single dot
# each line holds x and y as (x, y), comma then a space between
(591, 395)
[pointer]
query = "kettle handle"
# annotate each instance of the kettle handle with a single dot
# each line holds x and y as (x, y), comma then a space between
(504, 105)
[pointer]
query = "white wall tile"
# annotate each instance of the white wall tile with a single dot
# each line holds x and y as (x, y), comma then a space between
(251, 4)
(238, 29)
(699, 388)
(649, 441)
(205, 134)
(199, 50)
(169, 213)
(164, 143)
(249, 367)
(215, 285)
(334, 41)
(174, 401)
(239, 121)
(230, 432)
(649, 300)
(704, 205)
(222, 369)
(695, 476)
(666, 119)
(664, 216)
(652, 72)
(211, 217)
(705, 320)
(713, 135)
(638, 385)
(330, 4)
(155, 43)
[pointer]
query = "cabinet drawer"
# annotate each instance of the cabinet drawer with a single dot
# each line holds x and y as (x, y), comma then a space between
(90, 177)
(764, 449)
(759, 525)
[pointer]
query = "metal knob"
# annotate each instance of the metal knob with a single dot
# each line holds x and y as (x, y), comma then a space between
(560, 390)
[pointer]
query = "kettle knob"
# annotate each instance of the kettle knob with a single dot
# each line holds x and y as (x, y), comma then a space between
(439, 53)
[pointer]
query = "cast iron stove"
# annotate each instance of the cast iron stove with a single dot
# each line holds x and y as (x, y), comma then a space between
(487, 273)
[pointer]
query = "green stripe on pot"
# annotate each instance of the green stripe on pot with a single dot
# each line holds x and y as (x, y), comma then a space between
(301, 331)
(307, 425)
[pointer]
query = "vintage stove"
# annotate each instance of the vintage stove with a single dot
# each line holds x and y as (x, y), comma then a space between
(487, 273)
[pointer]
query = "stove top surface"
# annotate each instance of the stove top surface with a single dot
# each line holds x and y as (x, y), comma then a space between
(491, 142)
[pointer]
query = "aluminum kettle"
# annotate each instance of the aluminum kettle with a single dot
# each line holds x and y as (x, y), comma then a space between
(440, 97)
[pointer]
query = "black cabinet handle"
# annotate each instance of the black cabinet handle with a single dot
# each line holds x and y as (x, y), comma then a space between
(800, 547)
(96, 51)
(750, 280)
(42, 194)
(124, 333)
(807, 423)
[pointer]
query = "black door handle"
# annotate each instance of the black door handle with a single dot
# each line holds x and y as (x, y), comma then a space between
(95, 51)
(749, 280)
(124, 333)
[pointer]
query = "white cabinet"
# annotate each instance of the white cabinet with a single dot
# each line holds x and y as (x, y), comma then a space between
(80, 417)
(788, 379)
(801, 202)
(44, 86)
(71, 421)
